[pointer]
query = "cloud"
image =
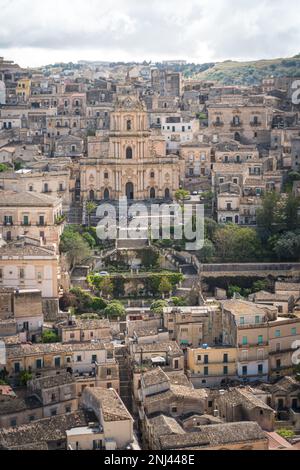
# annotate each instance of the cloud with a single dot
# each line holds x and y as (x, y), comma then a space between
(197, 30)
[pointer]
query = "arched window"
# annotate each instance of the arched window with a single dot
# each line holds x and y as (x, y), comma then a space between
(152, 193)
(106, 194)
(129, 153)
(237, 137)
(167, 193)
(129, 125)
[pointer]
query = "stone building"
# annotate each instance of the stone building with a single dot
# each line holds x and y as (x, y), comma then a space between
(26, 265)
(37, 216)
(115, 422)
(23, 311)
(239, 404)
(128, 160)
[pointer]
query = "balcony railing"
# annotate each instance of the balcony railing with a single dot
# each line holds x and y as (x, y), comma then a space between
(253, 345)
(218, 124)
(255, 123)
(236, 124)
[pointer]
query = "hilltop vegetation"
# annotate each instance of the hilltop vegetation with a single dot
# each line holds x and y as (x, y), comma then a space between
(250, 73)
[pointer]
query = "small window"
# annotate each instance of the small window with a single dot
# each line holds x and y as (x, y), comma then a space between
(79, 358)
(293, 331)
(13, 422)
(277, 334)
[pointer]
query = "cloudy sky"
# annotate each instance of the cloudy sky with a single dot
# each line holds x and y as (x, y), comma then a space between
(36, 33)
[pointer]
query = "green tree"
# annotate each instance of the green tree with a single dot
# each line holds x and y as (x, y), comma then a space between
(25, 377)
(179, 301)
(90, 208)
(237, 244)
(3, 168)
(268, 216)
(101, 284)
(149, 258)
(207, 253)
(210, 227)
(287, 246)
(260, 285)
(234, 290)
(115, 309)
(291, 212)
(73, 245)
(165, 286)
(181, 195)
(158, 306)
(98, 304)
(49, 336)
(286, 433)
(87, 237)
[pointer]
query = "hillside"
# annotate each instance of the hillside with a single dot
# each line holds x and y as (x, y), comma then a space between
(247, 73)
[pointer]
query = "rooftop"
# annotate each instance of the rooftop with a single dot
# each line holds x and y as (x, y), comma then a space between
(26, 199)
(43, 431)
(215, 435)
(113, 409)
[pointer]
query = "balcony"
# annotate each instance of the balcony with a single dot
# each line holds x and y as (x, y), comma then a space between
(236, 124)
(253, 345)
(41, 224)
(218, 124)
(8, 224)
(255, 124)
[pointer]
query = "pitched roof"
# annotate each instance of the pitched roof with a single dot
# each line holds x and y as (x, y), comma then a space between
(25, 199)
(165, 425)
(42, 431)
(215, 435)
(113, 409)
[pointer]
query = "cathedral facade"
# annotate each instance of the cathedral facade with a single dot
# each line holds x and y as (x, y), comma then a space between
(129, 160)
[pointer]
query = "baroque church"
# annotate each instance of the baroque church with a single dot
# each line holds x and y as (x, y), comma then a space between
(130, 159)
